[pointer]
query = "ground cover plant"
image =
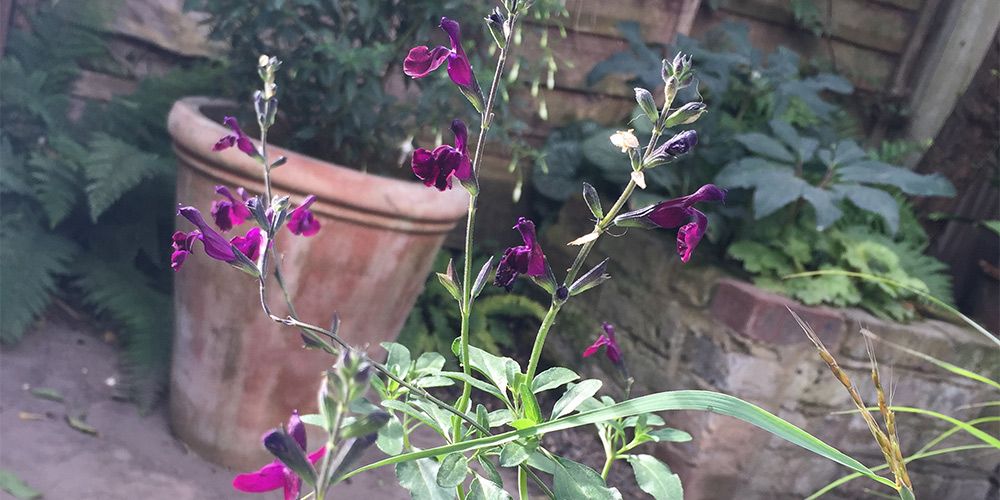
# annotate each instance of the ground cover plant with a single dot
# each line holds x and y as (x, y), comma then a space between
(475, 440)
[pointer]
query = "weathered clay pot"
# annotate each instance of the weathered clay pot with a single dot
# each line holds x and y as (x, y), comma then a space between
(235, 373)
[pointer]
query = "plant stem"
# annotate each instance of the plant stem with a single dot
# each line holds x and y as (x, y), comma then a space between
(467, 299)
(522, 484)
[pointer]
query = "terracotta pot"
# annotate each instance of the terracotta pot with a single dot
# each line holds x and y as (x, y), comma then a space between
(235, 373)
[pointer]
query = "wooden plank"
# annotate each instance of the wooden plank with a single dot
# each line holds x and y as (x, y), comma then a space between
(861, 22)
(659, 19)
(867, 69)
(576, 55)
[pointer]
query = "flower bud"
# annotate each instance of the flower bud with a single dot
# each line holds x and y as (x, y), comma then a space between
(285, 449)
(686, 114)
(646, 103)
(499, 28)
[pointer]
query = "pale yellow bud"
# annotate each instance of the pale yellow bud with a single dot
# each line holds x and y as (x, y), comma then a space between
(625, 139)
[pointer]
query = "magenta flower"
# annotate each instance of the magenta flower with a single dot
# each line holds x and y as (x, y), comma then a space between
(302, 221)
(677, 212)
(437, 167)
(249, 244)
(526, 259)
(275, 474)
(237, 138)
(230, 212)
(606, 339)
(183, 244)
(422, 60)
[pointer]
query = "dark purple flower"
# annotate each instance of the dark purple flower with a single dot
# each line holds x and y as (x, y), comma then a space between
(215, 244)
(275, 474)
(302, 221)
(422, 60)
(230, 212)
(677, 212)
(437, 167)
(237, 138)
(526, 259)
(606, 339)
(183, 244)
(250, 243)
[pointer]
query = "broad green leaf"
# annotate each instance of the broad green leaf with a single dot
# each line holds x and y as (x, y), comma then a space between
(419, 477)
(575, 396)
(669, 435)
(390, 437)
(823, 202)
(503, 416)
(529, 405)
(453, 470)
(552, 378)
(774, 192)
(873, 200)
(765, 146)
(12, 484)
(664, 401)
(478, 384)
(514, 454)
(485, 489)
(429, 363)
(441, 417)
(785, 131)
(575, 480)
(398, 361)
(313, 419)
(844, 152)
(655, 478)
(752, 172)
(419, 415)
(433, 381)
(492, 474)
(876, 172)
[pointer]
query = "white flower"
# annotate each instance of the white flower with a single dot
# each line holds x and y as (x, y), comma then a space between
(625, 139)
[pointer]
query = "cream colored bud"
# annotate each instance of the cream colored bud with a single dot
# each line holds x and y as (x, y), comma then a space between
(263, 60)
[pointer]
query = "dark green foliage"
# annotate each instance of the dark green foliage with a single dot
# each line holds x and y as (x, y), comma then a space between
(87, 205)
(342, 91)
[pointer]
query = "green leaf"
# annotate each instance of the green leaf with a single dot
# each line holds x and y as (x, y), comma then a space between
(655, 478)
(529, 405)
(493, 475)
(669, 435)
(775, 193)
(873, 200)
(495, 368)
(765, 146)
(31, 259)
(56, 185)
(398, 360)
(751, 172)
(453, 470)
(16, 487)
(484, 273)
(47, 393)
(478, 384)
(429, 363)
(485, 489)
(663, 401)
(419, 477)
(114, 167)
(514, 454)
(876, 172)
(575, 396)
(575, 480)
(390, 437)
(823, 202)
(552, 378)
(449, 285)
(992, 225)
(593, 200)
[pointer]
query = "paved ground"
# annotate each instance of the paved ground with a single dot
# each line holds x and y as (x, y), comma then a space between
(132, 457)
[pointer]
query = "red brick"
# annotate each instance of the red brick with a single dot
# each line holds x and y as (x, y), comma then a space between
(763, 316)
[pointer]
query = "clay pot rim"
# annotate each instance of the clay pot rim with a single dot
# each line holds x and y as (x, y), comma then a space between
(194, 134)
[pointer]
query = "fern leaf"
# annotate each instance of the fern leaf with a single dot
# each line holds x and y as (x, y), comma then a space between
(31, 259)
(114, 167)
(123, 294)
(56, 184)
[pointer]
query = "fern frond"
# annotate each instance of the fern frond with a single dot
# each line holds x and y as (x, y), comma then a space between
(31, 260)
(114, 167)
(124, 295)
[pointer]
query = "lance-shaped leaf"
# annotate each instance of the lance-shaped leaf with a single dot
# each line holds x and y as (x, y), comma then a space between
(369, 424)
(349, 453)
(547, 282)
(593, 200)
(594, 277)
(453, 470)
(483, 277)
(288, 451)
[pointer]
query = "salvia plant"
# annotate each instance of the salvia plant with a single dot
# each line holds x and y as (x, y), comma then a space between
(504, 425)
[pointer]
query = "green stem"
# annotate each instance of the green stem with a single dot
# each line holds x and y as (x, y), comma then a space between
(543, 331)
(522, 484)
(607, 466)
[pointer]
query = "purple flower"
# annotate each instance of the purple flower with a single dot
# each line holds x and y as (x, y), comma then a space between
(677, 212)
(275, 475)
(237, 138)
(302, 221)
(606, 339)
(230, 212)
(249, 244)
(215, 244)
(525, 259)
(183, 244)
(422, 60)
(678, 145)
(437, 167)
